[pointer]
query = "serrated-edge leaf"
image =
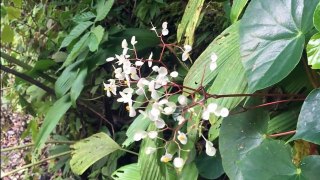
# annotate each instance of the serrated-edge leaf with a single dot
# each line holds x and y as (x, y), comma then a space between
(55, 113)
(88, 151)
(75, 33)
(236, 9)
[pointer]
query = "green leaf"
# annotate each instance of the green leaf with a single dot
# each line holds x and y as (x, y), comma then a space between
(75, 33)
(209, 167)
(189, 172)
(13, 13)
(7, 34)
(239, 134)
(103, 8)
(95, 38)
(313, 51)
(310, 166)
(316, 17)
(55, 113)
(189, 21)
(66, 79)
(86, 16)
(90, 150)
(270, 160)
(308, 127)
(77, 49)
(226, 46)
(17, 3)
(128, 172)
(236, 9)
(78, 85)
(272, 45)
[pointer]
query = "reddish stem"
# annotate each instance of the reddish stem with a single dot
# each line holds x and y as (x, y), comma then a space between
(282, 134)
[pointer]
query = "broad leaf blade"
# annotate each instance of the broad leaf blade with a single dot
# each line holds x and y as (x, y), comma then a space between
(75, 33)
(103, 8)
(128, 172)
(95, 38)
(236, 9)
(271, 45)
(240, 134)
(78, 85)
(55, 113)
(310, 166)
(88, 151)
(308, 127)
(316, 17)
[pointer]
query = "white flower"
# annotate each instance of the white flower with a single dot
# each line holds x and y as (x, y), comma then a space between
(133, 40)
(141, 83)
(155, 68)
(174, 74)
(124, 44)
(139, 63)
(119, 74)
(205, 114)
(110, 59)
(150, 150)
(182, 137)
(187, 48)
(224, 112)
(126, 95)
(111, 87)
(162, 71)
(183, 100)
(153, 134)
(212, 107)
(166, 158)
(213, 64)
(180, 119)
(178, 162)
(139, 135)
(132, 111)
(150, 59)
(185, 54)
(159, 123)
(171, 107)
(210, 150)
(165, 31)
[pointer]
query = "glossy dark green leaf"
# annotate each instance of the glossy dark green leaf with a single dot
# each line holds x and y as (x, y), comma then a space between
(271, 160)
(103, 8)
(308, 127)
(51, 119)
(271, 44)
(239, 134)
(313, 51)
(310, 166)
(209, 167)
(316, 17)
(75, 33)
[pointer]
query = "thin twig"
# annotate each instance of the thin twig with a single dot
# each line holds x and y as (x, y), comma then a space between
(282, 134)
(32, 144)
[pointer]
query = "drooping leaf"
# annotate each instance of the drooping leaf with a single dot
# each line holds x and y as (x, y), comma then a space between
(236, 9)
(78, 85)
(271, 45)
(90, 150)
(225, 46)
(313, 51)
(103, 8)
(209, 167)
(127, 172)
(77, 49)
(308, 127)
(239, 134)
(7, 34)
(189, 21)
(86, 16)
(95, 38)
(75, 33)
(316, 17)
(55, 113)
(270, 160)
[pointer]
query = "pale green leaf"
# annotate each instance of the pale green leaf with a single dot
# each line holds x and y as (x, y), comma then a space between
(127, 172)
(313, 51)
(88, 151)
(55, 113)
(103, 8)
(86, 16)
(75, 33)
(95, 38)
(236, 9)
(7, 34)
(189, 21)
(13, 13)
(316, 17)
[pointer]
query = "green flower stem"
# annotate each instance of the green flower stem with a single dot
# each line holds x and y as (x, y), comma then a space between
(126, 150)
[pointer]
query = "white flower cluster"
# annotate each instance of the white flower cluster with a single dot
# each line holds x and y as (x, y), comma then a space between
(129, 80)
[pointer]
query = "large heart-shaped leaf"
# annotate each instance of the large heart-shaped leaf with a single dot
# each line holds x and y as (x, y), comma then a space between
(272, 38)
(240, 134)
(258, 163)
(313, 51)
(90, 150)
(308, 127)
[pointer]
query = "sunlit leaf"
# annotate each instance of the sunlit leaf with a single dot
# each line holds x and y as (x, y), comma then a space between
(13, 13)
(313, 51)
(236, 9)
(316, 17)
(90, 150)
(7, 34)
(75, 33)
(127, 172)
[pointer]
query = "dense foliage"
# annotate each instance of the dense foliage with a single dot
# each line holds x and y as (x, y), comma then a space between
(156, 89)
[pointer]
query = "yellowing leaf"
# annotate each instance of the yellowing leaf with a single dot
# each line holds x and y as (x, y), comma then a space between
(7, 34)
